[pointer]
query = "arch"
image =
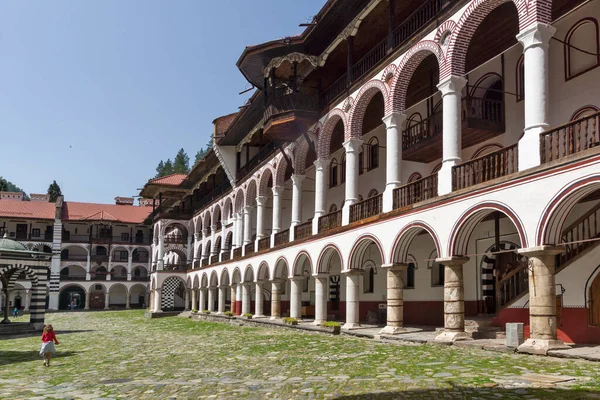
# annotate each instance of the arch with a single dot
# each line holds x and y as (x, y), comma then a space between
(216, 216)
(486, 149)
(224, 281)
(282, 166)
(182, 226)
(281, 269)
(463, 228)
(415, 176)
(325, 258)
(372, 193)
(333, 208)
(324, 141)
(239, 201)
(227, 208)
(172, 290)
(373, 153)
(214, 278)
(70, 285)
(196, 282)
(405, 238)
(362, 249)
(263, 272)
(265, 178)
(114, 249)
(206, 220)
(81, 246)
(470, 20)
(484, 83)
(228, 240)
(204, 279)
(251, 193)
(117, 286)
(300, 263)
(248, 274)
(357, 113)
(236, 275)
(584, 111)
(571, 50)
(302, 154)
(520, 78)
(550, 227)
(407, 67)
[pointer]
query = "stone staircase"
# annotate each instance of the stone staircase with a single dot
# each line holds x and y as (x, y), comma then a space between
(480, 327)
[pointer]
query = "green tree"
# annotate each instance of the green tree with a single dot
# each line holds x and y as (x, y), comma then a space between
(54, 191)
(168, 169)
(160, 169)
(181, 163)
(199, 154)
(8, 186)
(3, 185)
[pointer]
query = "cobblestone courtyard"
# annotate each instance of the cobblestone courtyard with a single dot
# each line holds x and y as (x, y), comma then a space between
(122, 355)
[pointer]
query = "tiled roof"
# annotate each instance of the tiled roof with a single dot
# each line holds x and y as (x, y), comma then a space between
(171, 180)
(222, 123)
(74, 211)
(27, 209)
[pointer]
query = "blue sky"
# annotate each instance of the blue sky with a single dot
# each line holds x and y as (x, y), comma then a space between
(95, 93)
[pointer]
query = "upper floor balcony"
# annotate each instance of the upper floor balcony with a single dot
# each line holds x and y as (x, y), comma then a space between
(289, 112)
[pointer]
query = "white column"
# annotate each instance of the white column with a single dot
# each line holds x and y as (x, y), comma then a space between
(296, 297)
(87, 301)
(129, 267)
(222, 296)
(258, 300)
(297, 199)
(234, 237)
(535, 40)
(277, 193)
(161, 253)
(88, 266)
(211, 299)
(239, 231)
(189, 249)
(194, 300)
(106, 300)
(261, 202)
(197, 242)
(202, 299)
(245, 298)
(127, 301)
(247, 225)
(213, 237)
(321, 187)
(352, 298)
(450, 88)
(276, 298)
(186, 303)
(321, 294)
(157, 299)
(205, 251)
(223, 238)
(26, 305)
(393, 157)
(352, 147)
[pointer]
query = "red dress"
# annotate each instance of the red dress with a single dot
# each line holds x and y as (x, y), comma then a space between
(49, 337)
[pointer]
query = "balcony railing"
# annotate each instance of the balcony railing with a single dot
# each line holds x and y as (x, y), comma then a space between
(282, 237)
(485, 168)
(176, 239)
(249, 248)
(262, 155)
(284, 100)
(42, 237)
(140, 278)
(476, 109)
(226, 255)
(303, 231)
(366, 208)
(264, 243)
(214, 259)
(72, 277)
(570, 138)
(237, 252)
(420, 131)
(118, 278)
(99, 258)
(578, 235)
(67, 237)
(74, 257)
(414, 192)
(215, 193)
(98, 276)
(175, 267)
(369, 60)
(334, 90)
(415, 21)
(330, 221)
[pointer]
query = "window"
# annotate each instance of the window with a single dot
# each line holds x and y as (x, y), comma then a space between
(372, 193)
(361, 162)
(581, 48)
(35, 232)
(369, 280)
(437, 270)
(125, 237)
(520, 73)
(333, 173)
(122, 255)
(333, 208)
(373, 154)
(343, 169)
(410, 276)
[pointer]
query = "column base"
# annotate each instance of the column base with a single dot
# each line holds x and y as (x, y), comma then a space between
(258, 317)
(351, 325)
(393, 330)
(541, 346)
(317, 322)
(273, 318)
(448, 336)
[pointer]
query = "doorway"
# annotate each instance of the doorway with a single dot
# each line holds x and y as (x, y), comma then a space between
(595, 302)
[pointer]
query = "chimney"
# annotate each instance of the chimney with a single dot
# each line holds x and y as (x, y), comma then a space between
(11, 196)
(124, 201)
(40, 197)
(145, 202)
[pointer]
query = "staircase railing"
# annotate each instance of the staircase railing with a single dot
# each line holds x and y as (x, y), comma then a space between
(583, 228)
(511, 286)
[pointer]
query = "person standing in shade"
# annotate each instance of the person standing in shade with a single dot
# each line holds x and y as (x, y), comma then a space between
(16, 312)
(48, 341)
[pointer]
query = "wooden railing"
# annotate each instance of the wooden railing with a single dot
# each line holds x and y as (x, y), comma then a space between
(485, 168)
(334, 90)
(414, 192)
(583, 228)
(303, 230)
(415, 21)
(214, 259)
(366, 208)
(282, 237)
(420, 131)
(175, 239)
(483, 109)
(330, 221)
(237, 253)
(369, 60)
(264, 243)
(249, 248)
(570, 138)
(175, 267)
(226, 255)
(511, 286)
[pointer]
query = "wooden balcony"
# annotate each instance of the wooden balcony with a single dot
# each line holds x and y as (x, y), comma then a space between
(282, 237)
(176, 239)
(287, 114)
(226, 256)
(303, 231)
(330, 221)
(264, 243)
(366, 208)
(569, 138)
(414, 192)
(214, 259)
(249, 248)
(237, 252)
(482, 119)
(485, 168)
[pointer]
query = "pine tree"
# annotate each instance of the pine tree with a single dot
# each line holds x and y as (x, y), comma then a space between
(3, 185)
(168, 169)
(160, 169)
(199, 154)
(181, 163)
(54, 191)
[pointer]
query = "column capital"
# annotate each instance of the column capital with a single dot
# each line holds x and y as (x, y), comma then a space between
(204, 232)
(213, 228)
(261, 200)
(321, 163)
(296, 278)
(454, 261)
(297, 179)
(353, 145)
(536, 35)
(277, 190)
(395, 266)
(353, 272)
(452, 85)
(248, 209)
(541, 251)
(320, 276)
(277, 280)
(394, 120)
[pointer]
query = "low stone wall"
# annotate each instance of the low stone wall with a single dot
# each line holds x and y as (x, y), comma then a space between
(162, 314)
(260, 323)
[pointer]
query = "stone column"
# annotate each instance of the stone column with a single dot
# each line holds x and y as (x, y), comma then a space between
(161, 253)
(26, 306)
(151, 303)
(189, 249)
(213, 241)
(321, 187)
(87, 301)
(107, 301)
(393, 157)
(222, 297)
(542, 300)
(277, 198)
(223, 239)
(275, 299)
(245, 298)
(395, 298)
(451, 89)
(296, 203)
(261, 205)
(352, 298)
(127, 301)
(205, 251)
(88, 267)
(157, 300)
(247, 225)
(186, 302)
(211, 299)
(194, 300)
(321, 294)
(202, 299)
(258, 300)
(129, 267)
(233, 307)
(535, 40)
(454, 299)
(352, 147)
(296, 297)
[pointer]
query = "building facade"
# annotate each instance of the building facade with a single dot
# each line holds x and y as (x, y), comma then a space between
(100, 252)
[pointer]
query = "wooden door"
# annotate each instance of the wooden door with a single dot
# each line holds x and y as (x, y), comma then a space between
(595, 302)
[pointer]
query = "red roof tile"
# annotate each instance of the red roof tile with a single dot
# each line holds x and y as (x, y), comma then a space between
(74, 211)
(27, 209)
(171, 180)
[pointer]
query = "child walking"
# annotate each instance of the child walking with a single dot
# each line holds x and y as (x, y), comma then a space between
(48, 341)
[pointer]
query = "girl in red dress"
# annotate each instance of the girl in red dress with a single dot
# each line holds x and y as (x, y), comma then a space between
(48, 340)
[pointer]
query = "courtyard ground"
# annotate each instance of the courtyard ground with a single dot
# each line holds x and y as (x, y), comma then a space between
(122, 355)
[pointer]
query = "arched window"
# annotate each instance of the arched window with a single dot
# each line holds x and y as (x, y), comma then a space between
(410, 276)
(373, 153)
(343, 169)
(333, 208)
(361, 161)
(415, 176)
(369, 280)
(372, 193)
(520, 74)
(581, 48)
(333, 173)
(583, 112)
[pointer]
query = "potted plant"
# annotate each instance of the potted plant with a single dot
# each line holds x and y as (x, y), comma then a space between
(332, 326)
(228, 314)
(194, 311)
(290, 321)
(247, 316)
(205, 312)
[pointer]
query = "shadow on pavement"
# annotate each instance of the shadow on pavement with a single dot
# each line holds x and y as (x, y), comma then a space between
(39, 333)
(8, 357)
(465, 393)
